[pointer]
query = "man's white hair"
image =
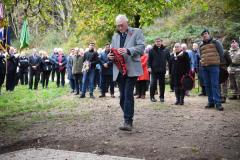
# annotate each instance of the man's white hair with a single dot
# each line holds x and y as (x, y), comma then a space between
(184, 45)
(121, 18)
(55, 50)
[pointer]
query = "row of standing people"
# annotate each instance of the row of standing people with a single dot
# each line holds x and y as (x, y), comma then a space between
(29, 69)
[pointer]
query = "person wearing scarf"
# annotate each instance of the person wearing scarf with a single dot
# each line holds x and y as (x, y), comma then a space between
(180, 63)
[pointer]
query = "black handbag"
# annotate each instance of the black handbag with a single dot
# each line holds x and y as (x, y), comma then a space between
(187, 82)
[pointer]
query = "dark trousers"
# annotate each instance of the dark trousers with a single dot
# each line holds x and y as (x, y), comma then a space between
(2, 78)
(24, 78)
(153, 84)
(61, 75)
(106, 81)
(97, 79)
(126, 86)
(53, 74)
(35, 74)
(10, 81)
(45, 78)
(171, 82)
(78, 82)
(17, 78)
(141, 87)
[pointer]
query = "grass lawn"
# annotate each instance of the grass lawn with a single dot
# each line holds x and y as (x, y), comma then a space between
(23, 100)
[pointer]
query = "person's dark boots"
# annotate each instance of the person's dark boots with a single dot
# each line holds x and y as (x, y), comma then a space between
(153, 99)
(219, 107)
(126, 127)
(223, 99)
(92, 96)
(177, 94)
(209, 105)
(203, 93)
(181, 101)
(138, 96)
(77, 93)
(161, 99)
(102, 95)
(82, 96)
(182, 95)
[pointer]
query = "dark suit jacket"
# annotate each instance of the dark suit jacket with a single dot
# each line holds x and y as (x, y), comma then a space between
(35, 62)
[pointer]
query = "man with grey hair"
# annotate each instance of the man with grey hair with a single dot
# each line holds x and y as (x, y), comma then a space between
(130, 44)
(34, 69)
(53, 57)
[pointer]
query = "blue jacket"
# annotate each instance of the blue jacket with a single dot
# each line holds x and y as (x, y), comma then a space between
(104, 59)
(193, 59)
(64, 62)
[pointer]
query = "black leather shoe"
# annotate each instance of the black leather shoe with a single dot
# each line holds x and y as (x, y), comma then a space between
(181, 102)
(209, 106)
(202, 94)
(76, 93)
(82, 96)
(223, 99)
(219, 108)
(176, 103)
(101, 96)
(92, 96)
(126, 127)
(161, 99)
(153, 100)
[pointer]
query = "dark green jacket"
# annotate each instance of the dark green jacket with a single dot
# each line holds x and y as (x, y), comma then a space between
(77, 64)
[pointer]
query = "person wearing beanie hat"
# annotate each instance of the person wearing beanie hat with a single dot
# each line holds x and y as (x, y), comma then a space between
(211, 53)
(205, 31)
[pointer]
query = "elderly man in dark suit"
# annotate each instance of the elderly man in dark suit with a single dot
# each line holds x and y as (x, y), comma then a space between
(130, 44)
(34, 66)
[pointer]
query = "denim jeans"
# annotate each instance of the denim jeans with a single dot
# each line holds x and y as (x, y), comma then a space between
(126, 87)
(211, 82)
(88, 78)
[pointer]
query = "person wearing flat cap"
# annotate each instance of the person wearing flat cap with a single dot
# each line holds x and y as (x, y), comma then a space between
(212, 53)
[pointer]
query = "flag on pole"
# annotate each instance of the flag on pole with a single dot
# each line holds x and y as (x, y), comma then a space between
(24, 39)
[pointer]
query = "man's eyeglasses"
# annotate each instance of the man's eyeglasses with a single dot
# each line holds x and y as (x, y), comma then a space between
(120, 25)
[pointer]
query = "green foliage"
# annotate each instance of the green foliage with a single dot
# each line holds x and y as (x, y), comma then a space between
(68, 23)
(187, 22)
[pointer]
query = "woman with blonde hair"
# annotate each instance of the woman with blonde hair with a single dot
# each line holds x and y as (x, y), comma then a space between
(180, 66)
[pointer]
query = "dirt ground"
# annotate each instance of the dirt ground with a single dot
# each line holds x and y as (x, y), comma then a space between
(161, 130)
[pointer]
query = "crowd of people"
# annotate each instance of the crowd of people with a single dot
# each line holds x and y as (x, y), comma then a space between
(145, 66)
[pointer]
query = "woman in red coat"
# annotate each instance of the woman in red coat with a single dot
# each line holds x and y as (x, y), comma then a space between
(141, 84)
